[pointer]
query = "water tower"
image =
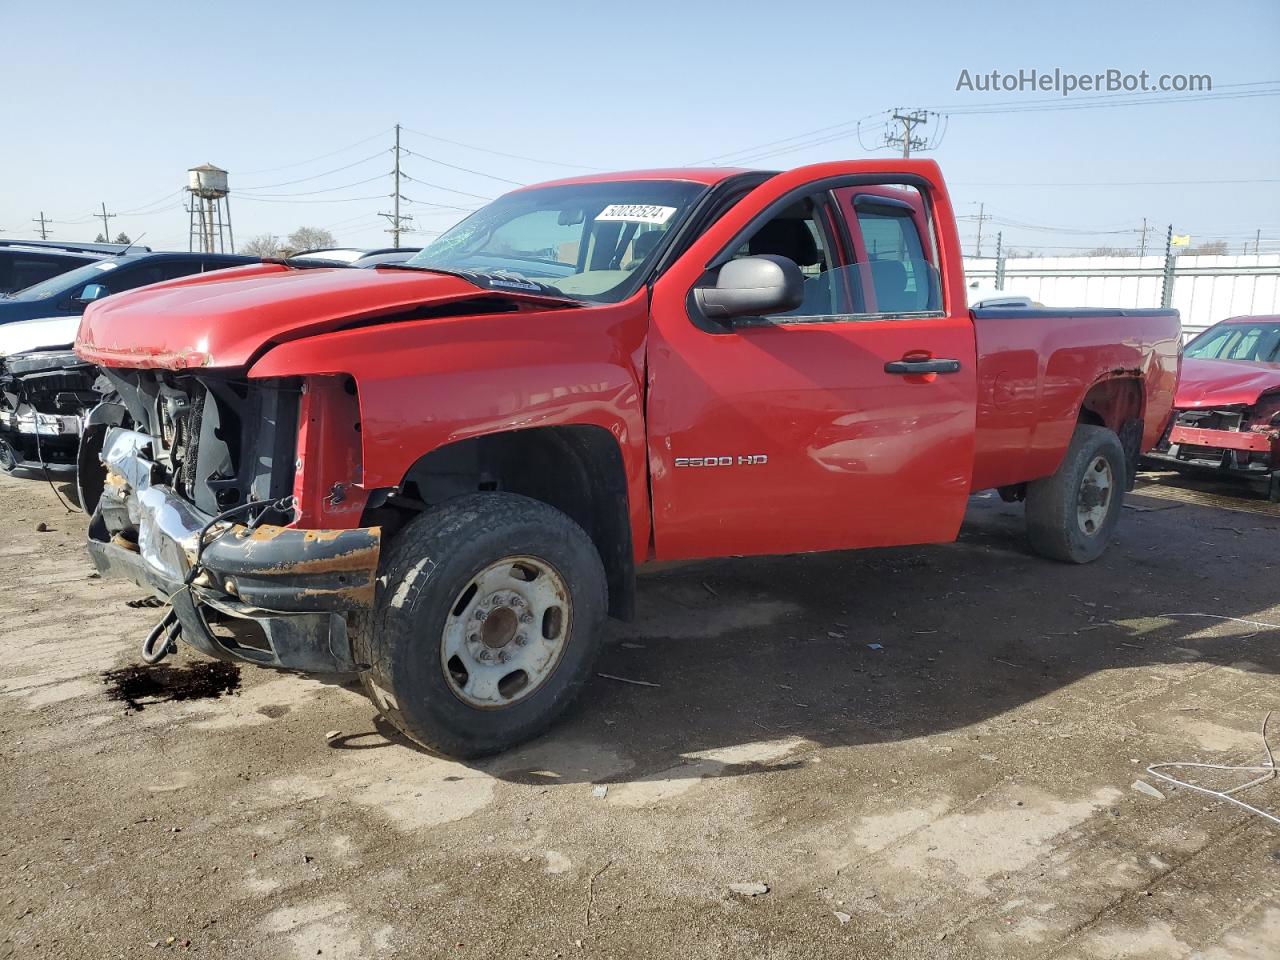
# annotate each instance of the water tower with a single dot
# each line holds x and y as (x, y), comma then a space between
(210, 230)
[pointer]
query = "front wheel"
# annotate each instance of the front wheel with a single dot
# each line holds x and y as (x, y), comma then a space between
(1072, 514)
(488, 620)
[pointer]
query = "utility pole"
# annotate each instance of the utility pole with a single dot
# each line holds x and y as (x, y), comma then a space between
(1142, 244)
(1257, 241)
(982, 217)
(908, 140)
(42, 220)
(397, 220)
(106, 228)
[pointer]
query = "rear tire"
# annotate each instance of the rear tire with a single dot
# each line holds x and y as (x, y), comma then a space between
(1072, 514)
(488, 620)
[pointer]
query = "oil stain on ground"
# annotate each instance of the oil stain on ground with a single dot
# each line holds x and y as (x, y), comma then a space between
(141, 686)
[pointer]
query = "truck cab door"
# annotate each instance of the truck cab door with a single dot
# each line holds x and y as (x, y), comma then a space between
(846, 422)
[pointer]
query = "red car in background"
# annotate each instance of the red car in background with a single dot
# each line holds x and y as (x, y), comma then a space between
(1227, 409)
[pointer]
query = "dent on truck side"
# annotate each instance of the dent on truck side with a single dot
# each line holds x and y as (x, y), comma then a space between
(423, 386)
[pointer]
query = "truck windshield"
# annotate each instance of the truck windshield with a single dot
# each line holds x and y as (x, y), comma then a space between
(1238, 341)
(591, 241)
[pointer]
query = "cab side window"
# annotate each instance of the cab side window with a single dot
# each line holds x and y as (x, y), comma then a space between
(897, 271)
(127, 278)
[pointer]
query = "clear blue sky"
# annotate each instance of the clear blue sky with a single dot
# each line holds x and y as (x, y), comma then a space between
(113, 102)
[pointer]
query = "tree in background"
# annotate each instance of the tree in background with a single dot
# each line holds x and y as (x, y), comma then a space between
(123, 238)
(1215, 248)
(100, 239)
(309, 238)
(263, 245)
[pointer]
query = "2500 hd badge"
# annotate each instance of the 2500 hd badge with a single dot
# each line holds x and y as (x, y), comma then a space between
(749, 460)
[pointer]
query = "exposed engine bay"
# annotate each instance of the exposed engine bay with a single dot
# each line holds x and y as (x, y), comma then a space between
(220, 441)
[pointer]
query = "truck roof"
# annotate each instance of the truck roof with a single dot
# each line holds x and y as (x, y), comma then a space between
(1254, 318)
(708, 176)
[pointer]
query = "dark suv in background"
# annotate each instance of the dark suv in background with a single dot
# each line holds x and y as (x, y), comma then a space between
(24, 263)
(67, 294)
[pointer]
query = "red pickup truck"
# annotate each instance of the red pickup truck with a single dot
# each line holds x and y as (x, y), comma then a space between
(442, 474)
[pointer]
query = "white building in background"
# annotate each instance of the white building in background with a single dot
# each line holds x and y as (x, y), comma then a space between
(1205, 289)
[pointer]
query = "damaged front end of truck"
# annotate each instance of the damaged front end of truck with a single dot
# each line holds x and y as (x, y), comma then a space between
(197, 506)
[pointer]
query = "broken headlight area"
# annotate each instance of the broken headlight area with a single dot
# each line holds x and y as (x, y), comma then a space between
(218, 441)
(44, 397)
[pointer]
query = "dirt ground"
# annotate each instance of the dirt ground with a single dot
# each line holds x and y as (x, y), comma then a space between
(961, 789)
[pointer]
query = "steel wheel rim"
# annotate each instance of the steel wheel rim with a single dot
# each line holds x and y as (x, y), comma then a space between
(505, 632)
(1094, 499)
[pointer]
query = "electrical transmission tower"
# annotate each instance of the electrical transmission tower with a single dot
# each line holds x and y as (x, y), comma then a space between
(399, 222)
(43, 221)
(908, 139)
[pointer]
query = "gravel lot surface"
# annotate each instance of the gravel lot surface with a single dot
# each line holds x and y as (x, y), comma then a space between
(922, 752)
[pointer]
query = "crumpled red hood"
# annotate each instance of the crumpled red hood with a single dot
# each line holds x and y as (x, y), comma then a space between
(225, 318)
(1220, 383)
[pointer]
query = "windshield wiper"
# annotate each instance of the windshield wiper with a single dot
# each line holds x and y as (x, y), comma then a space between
(498, 283)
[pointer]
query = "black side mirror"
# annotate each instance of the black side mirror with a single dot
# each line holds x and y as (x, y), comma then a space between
(753, 287)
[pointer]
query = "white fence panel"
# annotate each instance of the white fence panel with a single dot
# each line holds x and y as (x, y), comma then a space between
(1205, 289)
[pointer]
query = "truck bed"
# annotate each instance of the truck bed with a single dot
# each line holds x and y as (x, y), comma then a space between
(1037, 367)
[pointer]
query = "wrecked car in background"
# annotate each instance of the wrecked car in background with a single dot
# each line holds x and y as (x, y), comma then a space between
(1227, 409)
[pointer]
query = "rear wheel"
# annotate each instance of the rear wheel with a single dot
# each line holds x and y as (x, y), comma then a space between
(1072, 514)
(487, 623)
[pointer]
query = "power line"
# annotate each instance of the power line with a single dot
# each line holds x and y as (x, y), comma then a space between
(312, 193)
(323, 156)
(437, 186)
(144, 207)
(439, 206)
(770, 143)
(376, 196)
(454, 166)
(829, 134)
(499, 153)
(315, 176)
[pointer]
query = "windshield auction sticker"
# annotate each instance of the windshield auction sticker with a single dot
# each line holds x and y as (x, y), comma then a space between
(636, 213)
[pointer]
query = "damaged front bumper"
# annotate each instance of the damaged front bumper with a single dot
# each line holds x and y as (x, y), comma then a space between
(269, 595)
(1247, 454)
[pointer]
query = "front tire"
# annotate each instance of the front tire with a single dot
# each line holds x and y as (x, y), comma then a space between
(488, 620)
(1072, 514)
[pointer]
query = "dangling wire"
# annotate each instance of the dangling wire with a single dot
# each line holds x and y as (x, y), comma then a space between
(169, 629)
